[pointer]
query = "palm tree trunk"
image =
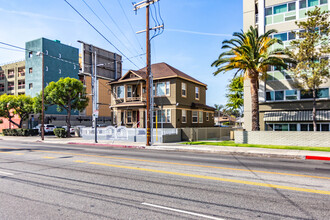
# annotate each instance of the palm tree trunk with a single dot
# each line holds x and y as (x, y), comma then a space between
(314, 110)
(255, 104)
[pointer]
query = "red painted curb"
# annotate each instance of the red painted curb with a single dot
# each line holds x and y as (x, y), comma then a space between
(108, 145)
(317, 158)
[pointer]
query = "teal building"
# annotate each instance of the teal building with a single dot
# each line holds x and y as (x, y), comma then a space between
(60, 60)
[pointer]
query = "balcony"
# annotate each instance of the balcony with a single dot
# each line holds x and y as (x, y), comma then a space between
(22, 86)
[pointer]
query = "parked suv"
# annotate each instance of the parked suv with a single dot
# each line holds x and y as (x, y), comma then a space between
(48, 128)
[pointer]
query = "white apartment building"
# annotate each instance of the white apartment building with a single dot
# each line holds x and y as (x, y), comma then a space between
(283, 107)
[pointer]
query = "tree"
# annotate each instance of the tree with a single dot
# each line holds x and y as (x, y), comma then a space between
(251, 54)
(309, 51)
(68, 94)
(235, 95)
(10, 105)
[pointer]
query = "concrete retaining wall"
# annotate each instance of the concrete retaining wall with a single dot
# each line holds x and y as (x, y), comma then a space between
(289, 138)
(210, 133)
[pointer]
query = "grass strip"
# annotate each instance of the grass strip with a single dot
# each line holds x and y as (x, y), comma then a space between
(233, 144)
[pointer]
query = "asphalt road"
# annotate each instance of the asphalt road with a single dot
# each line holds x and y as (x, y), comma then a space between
(44, 181)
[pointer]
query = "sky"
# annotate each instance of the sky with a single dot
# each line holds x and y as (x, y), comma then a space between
(191, 41)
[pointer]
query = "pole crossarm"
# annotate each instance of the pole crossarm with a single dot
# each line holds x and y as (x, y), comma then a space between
(154, 28)
(143, 4)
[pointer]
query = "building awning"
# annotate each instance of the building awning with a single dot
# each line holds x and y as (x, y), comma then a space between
(321, 115)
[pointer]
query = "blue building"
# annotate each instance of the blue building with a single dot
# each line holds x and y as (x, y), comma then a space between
(60, 60)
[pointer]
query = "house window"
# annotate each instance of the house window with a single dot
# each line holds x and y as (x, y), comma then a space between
(31, 86)
(197, 93)
(168, 88)
(129, 117)
(129, 91)
(183, 89)
(184, 116)
(154, 116)
(30, 54)
(30, 70)
(200, 114)
(161, 89)
(168, 115)
(120, 92)
(195, 117)
(207, 116)
(154, 90)
(161, 117)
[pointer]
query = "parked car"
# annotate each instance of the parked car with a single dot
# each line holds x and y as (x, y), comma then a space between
(71, 129)
(48, 128)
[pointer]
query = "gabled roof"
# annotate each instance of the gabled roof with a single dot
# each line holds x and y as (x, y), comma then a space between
(159, 71)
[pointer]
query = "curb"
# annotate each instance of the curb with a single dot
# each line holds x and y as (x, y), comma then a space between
(107, 145)
(316, 158)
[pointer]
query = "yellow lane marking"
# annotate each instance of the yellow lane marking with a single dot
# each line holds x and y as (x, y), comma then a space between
(80, 161)
(19, 153)
(185, 164)
(217, 178)
(49, 157)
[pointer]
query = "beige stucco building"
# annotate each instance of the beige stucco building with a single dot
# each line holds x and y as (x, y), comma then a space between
(12, 78)
(283, 106)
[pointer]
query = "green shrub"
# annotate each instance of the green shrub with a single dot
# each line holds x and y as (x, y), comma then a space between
(60, 132)
(20, 132)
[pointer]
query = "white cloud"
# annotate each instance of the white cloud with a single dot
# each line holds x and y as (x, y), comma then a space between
(35, 15)
(196, 32)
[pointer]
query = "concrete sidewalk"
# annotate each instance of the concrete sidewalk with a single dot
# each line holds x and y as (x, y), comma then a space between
(244, 151)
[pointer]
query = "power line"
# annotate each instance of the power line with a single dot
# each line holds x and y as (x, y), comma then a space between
(130, 25)
(100, 33)
(21, 48)
(107, 26)
(118, 27)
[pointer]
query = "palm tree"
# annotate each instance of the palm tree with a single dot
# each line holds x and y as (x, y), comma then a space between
(251, 54)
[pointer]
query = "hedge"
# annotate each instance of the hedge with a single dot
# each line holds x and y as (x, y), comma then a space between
(60, 132)
(20, 132)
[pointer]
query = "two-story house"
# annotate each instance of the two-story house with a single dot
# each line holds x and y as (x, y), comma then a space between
(179, 99)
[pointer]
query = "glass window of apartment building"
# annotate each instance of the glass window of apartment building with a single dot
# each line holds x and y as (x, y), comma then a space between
(30, 70)
(312, 3)
(11, 74)
(207, 116)
(292, 6)
(282, 36)
(320, 93)
(183, 89)
(268, 11)
(291, 95)
(195, 116)
(280, 9)
(184, 116)
(30, 54)
(2, 75)
(154, 90)
(30, 86)
(323, 2)
(2, 87)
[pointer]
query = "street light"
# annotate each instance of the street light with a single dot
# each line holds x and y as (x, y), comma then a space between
(42, 98)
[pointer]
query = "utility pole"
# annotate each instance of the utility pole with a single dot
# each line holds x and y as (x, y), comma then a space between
(147, 3)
